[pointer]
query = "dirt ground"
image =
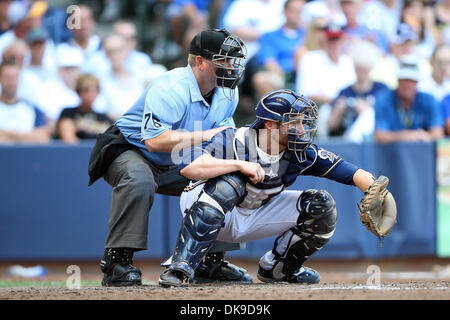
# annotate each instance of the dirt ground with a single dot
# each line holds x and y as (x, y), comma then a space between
(400, 279)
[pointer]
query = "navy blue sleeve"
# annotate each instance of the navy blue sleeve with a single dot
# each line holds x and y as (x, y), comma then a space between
(220, 147)
(40, 118)
(343, 172)
(331, 166)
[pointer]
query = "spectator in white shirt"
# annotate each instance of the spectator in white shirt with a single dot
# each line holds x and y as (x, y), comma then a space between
(138, 63)
(61, 91)
(28, 85)
(20, 121)
(249, 19)
(84, 36)
(37, 39)
(120, 89)
(438, 82)
(321, 74)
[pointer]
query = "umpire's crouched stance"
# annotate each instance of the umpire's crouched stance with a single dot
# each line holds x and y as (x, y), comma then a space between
(134, 155)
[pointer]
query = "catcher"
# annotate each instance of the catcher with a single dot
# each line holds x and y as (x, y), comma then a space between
(238, 193)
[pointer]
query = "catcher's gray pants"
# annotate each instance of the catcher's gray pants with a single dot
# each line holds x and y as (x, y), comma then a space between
(135, 180)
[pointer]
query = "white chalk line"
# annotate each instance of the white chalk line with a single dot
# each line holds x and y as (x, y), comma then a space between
(402, 275)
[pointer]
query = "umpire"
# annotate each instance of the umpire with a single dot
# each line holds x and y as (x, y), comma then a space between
(183, 107)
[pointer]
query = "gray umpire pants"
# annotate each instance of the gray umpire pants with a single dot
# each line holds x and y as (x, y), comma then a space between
(135, 180)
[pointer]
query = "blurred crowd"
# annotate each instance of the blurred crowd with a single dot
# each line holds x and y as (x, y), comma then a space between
(378, 69)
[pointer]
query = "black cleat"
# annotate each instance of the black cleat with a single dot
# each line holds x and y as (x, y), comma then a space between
(118, 270)
(215, 269)
(171, 278)
(122, 275)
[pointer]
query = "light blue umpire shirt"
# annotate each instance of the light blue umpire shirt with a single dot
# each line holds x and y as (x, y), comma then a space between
(173, 101)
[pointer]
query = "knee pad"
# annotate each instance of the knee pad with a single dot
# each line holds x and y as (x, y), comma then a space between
(227, 190)
(316, 225)
(203, 220)
(318, 213)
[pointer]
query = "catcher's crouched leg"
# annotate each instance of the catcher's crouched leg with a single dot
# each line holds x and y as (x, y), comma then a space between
(118, 269)
(316, 225)
(200, 228)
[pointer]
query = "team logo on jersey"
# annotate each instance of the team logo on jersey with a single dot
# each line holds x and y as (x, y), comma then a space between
(325, 154)
(271, 174)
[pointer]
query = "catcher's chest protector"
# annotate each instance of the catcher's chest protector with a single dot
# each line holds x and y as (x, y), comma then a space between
(275, 168)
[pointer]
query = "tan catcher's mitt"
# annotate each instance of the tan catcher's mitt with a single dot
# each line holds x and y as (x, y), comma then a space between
(377, 209)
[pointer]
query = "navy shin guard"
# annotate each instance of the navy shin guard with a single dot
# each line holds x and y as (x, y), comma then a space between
(204, 219)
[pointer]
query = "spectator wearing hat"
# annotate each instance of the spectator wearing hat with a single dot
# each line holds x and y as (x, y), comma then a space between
(20, 23)
(36, 76)
(58, 91)
(61, 90)
(403, 42)
(38, 40)
(353, 114)
(137, 155)
(20, 120)
(82, 122)
(322, 74)
(24, 20)
(406, 114)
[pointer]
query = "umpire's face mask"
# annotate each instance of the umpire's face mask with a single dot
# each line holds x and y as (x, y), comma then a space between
(228, 63)
(228, 72)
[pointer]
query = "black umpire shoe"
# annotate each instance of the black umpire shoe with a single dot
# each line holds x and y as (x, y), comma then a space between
(117, 267)
(171, 278)
(215, 269)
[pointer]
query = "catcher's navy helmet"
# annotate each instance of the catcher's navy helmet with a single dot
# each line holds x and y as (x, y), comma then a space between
(295, 112)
